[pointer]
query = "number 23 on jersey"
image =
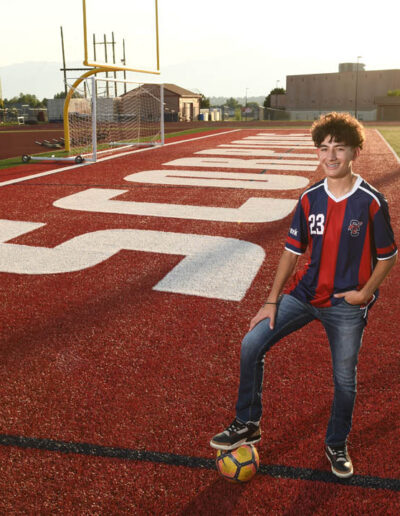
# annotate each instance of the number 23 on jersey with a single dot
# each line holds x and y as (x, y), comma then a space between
(316, 223)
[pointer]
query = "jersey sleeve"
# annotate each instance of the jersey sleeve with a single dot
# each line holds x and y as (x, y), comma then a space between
(385, 245)
(297, 239)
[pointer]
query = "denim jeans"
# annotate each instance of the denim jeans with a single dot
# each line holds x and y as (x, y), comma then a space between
(344, 325)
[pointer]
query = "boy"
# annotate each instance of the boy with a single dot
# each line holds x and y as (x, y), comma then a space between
(345, 222)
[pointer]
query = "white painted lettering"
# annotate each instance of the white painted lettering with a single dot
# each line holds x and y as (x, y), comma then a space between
(256, 209)
(213, 267)
(240, 163)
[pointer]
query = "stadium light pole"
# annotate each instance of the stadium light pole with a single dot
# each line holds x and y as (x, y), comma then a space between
(356, 95)
(63, 58)
(245, 105)
(276, 94)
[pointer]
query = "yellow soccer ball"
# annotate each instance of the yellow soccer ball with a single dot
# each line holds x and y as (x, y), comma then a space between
(239, 465)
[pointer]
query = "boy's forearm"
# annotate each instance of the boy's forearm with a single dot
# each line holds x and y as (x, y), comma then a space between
(380, 272)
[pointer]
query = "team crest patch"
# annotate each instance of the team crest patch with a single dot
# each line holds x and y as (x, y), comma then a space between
(354, 227)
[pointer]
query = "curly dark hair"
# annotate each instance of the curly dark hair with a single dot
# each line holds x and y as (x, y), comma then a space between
(341, 127)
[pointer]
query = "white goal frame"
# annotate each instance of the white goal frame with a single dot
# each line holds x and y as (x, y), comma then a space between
(109, 122)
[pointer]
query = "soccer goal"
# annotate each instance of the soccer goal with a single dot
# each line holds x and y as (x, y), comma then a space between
(110, 116)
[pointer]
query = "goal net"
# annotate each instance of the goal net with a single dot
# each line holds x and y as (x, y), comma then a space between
(110, 116)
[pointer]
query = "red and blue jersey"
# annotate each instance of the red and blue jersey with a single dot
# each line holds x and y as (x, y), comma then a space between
(345, 238)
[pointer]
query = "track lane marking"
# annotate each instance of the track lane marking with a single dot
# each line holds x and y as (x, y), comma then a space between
(171, 459)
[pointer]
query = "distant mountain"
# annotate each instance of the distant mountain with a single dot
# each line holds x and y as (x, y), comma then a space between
(42, 78)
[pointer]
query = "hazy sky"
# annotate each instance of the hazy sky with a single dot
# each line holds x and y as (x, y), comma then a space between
(218, 47)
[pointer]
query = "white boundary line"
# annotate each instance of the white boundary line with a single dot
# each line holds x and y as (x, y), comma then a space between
(388, 144)
(74, 167)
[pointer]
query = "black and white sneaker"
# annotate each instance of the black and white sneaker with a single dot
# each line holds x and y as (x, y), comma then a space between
(340, 461)
(235, 435)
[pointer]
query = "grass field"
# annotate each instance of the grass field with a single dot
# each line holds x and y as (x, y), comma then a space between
(17, 161)
(392, 135)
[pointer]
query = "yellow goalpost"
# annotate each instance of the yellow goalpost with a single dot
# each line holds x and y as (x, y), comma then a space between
(110, 120)
(103, 67)
(98, 64)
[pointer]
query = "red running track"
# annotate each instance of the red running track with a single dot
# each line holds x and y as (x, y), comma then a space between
(111, 389)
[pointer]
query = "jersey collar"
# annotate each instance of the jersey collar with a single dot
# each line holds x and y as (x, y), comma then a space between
(355, 187)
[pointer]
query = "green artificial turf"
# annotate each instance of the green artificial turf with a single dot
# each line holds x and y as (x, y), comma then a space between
(392, 136)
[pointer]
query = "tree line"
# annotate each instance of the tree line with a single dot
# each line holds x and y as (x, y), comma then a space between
(33, 102)
(30, 100)
(233, 103)
(25, 99)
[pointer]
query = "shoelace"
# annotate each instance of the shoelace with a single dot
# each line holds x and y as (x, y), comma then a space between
(234, 426)
(340, 455)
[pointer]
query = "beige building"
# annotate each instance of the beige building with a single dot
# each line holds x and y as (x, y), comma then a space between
(388, 108)
(351, 89)
(184, 103)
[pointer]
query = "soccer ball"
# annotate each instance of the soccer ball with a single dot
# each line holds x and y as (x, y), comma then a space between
(239, 465)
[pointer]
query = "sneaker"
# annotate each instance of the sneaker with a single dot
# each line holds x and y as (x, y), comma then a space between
(235, 435)
(340, 461)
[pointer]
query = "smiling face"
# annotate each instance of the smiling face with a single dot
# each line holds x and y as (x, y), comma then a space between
(336, 158)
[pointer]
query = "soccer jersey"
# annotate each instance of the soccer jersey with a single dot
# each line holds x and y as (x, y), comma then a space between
(345, 238)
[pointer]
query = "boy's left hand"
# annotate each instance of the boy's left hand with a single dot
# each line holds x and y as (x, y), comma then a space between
(353, 297)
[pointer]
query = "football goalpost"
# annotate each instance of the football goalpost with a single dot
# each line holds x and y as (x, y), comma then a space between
(108, 116)
(104, 115)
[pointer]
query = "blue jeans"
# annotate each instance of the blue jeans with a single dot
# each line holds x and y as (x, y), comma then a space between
(344, 325)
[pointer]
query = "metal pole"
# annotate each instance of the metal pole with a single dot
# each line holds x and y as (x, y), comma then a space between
(94, 119)
(113, 55)
(157, 37)
(63, 57)
(94, 47)
(162, 113)
(124, 62)
(106, 61)
(245, 104)
(276, 93)
(85, 41)
(356, 95)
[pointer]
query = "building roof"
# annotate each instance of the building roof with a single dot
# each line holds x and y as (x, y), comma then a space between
(173, 88)
(182, 92)
(369, 72)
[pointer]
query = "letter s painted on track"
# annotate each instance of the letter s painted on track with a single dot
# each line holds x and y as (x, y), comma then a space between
(213, 267)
